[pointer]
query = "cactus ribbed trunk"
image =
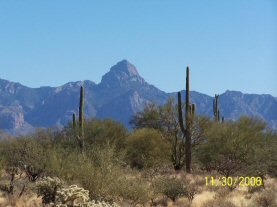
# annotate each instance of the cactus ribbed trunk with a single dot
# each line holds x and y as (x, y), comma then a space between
(74, 121)
(193, 109)
(216, 110)
(190, 111)
(188, 126)
(181, 114)
(81, 118)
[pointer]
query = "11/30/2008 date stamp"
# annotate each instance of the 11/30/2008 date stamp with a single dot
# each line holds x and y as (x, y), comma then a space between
(233, 181)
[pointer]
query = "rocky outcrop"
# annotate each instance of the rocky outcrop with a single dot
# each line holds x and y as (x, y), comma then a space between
(11, 117)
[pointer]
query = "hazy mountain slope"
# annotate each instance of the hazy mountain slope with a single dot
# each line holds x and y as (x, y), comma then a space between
(204, 103)
(235, 104)
(121, 93)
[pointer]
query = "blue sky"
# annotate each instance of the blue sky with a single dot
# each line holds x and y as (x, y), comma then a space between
(227, 44)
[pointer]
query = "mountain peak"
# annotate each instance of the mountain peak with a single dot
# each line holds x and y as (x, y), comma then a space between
(121, 74)
(124, 66)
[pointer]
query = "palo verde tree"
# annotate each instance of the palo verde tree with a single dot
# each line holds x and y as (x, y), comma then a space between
(189, 114)
(165, 120)
(242, 147)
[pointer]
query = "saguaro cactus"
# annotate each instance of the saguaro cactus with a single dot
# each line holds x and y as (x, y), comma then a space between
(190, 110)
(193, 109)
(216, 110)
(81, 119)
(74, 121)
(81, 113)
(80, 135)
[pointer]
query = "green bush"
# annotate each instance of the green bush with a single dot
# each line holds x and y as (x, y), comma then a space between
(63, 164)
(135, 190)
(164, 118)
(238, 147)
(104, 132)
(101, 173)
(172, 187)
(29, 154)
(96, 132)
(146, 148)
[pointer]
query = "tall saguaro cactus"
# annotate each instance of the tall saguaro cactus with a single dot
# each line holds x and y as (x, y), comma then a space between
(74, 121)
(193, 109)
(80, 135)
(216, 110)
(81, 112)
(190, 110)
(81, 119)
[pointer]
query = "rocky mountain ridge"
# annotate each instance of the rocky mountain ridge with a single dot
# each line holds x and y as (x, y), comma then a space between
(121, 93)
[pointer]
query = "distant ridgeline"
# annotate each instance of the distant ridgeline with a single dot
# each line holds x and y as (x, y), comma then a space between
(121, 93)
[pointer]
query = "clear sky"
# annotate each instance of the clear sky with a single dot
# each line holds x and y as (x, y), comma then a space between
(227, 44)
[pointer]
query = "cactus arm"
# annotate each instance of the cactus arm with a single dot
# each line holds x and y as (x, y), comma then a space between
(193, 109)
(187, 96)
(180, 113)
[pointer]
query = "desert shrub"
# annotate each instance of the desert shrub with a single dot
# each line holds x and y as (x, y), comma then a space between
(12, 172)
(191, 191)
(253, 189)
(150, 117)
(63, 164)
(15, 185)
(96, 132)
(164, 118)
(233, 147)
(1, 164)
(2, 158)
(266, 199)
(101, 172)
(135, 190)
(99, 178)
(104, 132)
(172, 188)
(217, 203)
(222, 192)
(146, 148)
(265, 158)
(29, 154)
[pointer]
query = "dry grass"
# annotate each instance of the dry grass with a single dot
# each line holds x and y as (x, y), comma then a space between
(203, 197)
(206, 197)
(29, 200)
